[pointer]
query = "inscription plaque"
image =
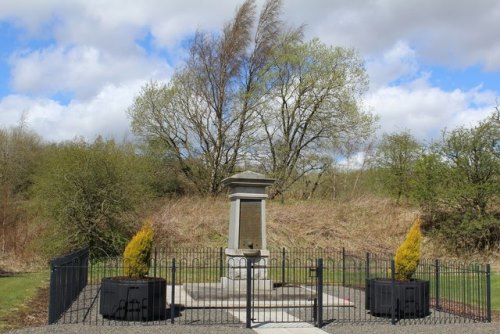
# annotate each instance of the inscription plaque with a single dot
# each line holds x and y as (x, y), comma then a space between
(250, 224)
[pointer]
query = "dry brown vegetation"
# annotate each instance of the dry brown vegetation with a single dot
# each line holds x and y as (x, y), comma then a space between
(367, 223)
(358, 225)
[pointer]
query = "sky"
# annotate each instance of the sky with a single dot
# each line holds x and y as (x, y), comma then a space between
(71, 68)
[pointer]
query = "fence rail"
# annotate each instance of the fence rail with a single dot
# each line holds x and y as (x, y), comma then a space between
(317, 285)
(68, 277)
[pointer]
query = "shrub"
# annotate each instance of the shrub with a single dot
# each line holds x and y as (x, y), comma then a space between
(468, 232)
(395, 158)
(457, 187)
(92, 193)
(137, 254)
(408, 254)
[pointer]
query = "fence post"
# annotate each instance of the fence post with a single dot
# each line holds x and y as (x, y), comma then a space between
(488, 293)
(343, 266)
(154, 264)
(367, 265)
(249, 294)
(221, 263)
(283, 260)
(53, 294)
(315, 311)
(437, 284)
(85, 273)
(478, 270)
(172, 304)
(393, 294)
(319, 275)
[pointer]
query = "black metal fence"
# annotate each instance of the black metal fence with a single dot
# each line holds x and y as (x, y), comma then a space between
(68, 277)
(320, 286)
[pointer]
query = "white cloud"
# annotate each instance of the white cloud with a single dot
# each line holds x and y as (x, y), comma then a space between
(426, 110)
(104, 114)
(399, 62)
(115, 24)
(446, 31)
(354, 162)
(93, 55)
(413, 103)
(81, 69)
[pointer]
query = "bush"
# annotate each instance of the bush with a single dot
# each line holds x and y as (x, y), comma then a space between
(395, 158)
(20, 151)
(137, 254)
(457, 187)
(408, 254)
(469, 232)
(92, 194)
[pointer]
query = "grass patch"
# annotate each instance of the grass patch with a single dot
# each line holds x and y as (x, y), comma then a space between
(495, 291)
(454, 288)
(16, 291)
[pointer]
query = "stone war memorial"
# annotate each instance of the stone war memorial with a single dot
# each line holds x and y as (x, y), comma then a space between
(249, 282)
(247, 230)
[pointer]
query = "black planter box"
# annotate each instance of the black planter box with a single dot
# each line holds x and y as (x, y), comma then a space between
(411, 298)
(133, 300)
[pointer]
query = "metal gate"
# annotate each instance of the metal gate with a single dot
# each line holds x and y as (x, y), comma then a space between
(313, 286)
(296, 297)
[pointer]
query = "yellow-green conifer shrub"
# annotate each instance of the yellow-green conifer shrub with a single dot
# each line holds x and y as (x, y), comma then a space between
(137, 254)
(408, 254)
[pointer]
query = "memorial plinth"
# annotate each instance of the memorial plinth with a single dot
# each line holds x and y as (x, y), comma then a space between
(247, 229)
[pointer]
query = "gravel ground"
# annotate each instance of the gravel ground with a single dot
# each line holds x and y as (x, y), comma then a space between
(189, 321)
(167, 328)
(479, 328)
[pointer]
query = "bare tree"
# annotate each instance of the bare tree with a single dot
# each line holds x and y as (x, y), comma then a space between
(313, 107)
(206, 115)
(255, 94)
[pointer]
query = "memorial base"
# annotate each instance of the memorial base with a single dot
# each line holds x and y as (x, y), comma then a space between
(237, 260)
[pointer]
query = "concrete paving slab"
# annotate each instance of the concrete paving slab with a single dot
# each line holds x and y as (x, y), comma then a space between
(206, 295)
(272, 323)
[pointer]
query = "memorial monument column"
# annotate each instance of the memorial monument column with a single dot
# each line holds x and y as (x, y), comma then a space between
(247, 228)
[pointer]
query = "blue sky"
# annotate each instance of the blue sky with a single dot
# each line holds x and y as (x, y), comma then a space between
(464, 78)
(73, 68)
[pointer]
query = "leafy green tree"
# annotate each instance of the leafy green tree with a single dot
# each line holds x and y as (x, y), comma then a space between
(473, 156)
(92, 192)
(427, 187)
(396, 156)
(255, 93)
(312, 107)
(166, 179)
(458, 186)
(472, 186)
(205, 115)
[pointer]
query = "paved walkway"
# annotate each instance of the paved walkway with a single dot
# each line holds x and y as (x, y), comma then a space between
(271, 322)
(214, 297)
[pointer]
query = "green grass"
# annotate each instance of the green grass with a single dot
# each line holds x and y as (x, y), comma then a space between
(495, 291)
(452, 288)
(16, 290)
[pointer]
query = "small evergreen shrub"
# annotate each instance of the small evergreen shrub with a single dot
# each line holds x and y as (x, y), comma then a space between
(408, 254)
(137, 254)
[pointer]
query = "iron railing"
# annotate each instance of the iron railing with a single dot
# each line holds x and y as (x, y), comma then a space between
(68, 277)
(320, 286)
